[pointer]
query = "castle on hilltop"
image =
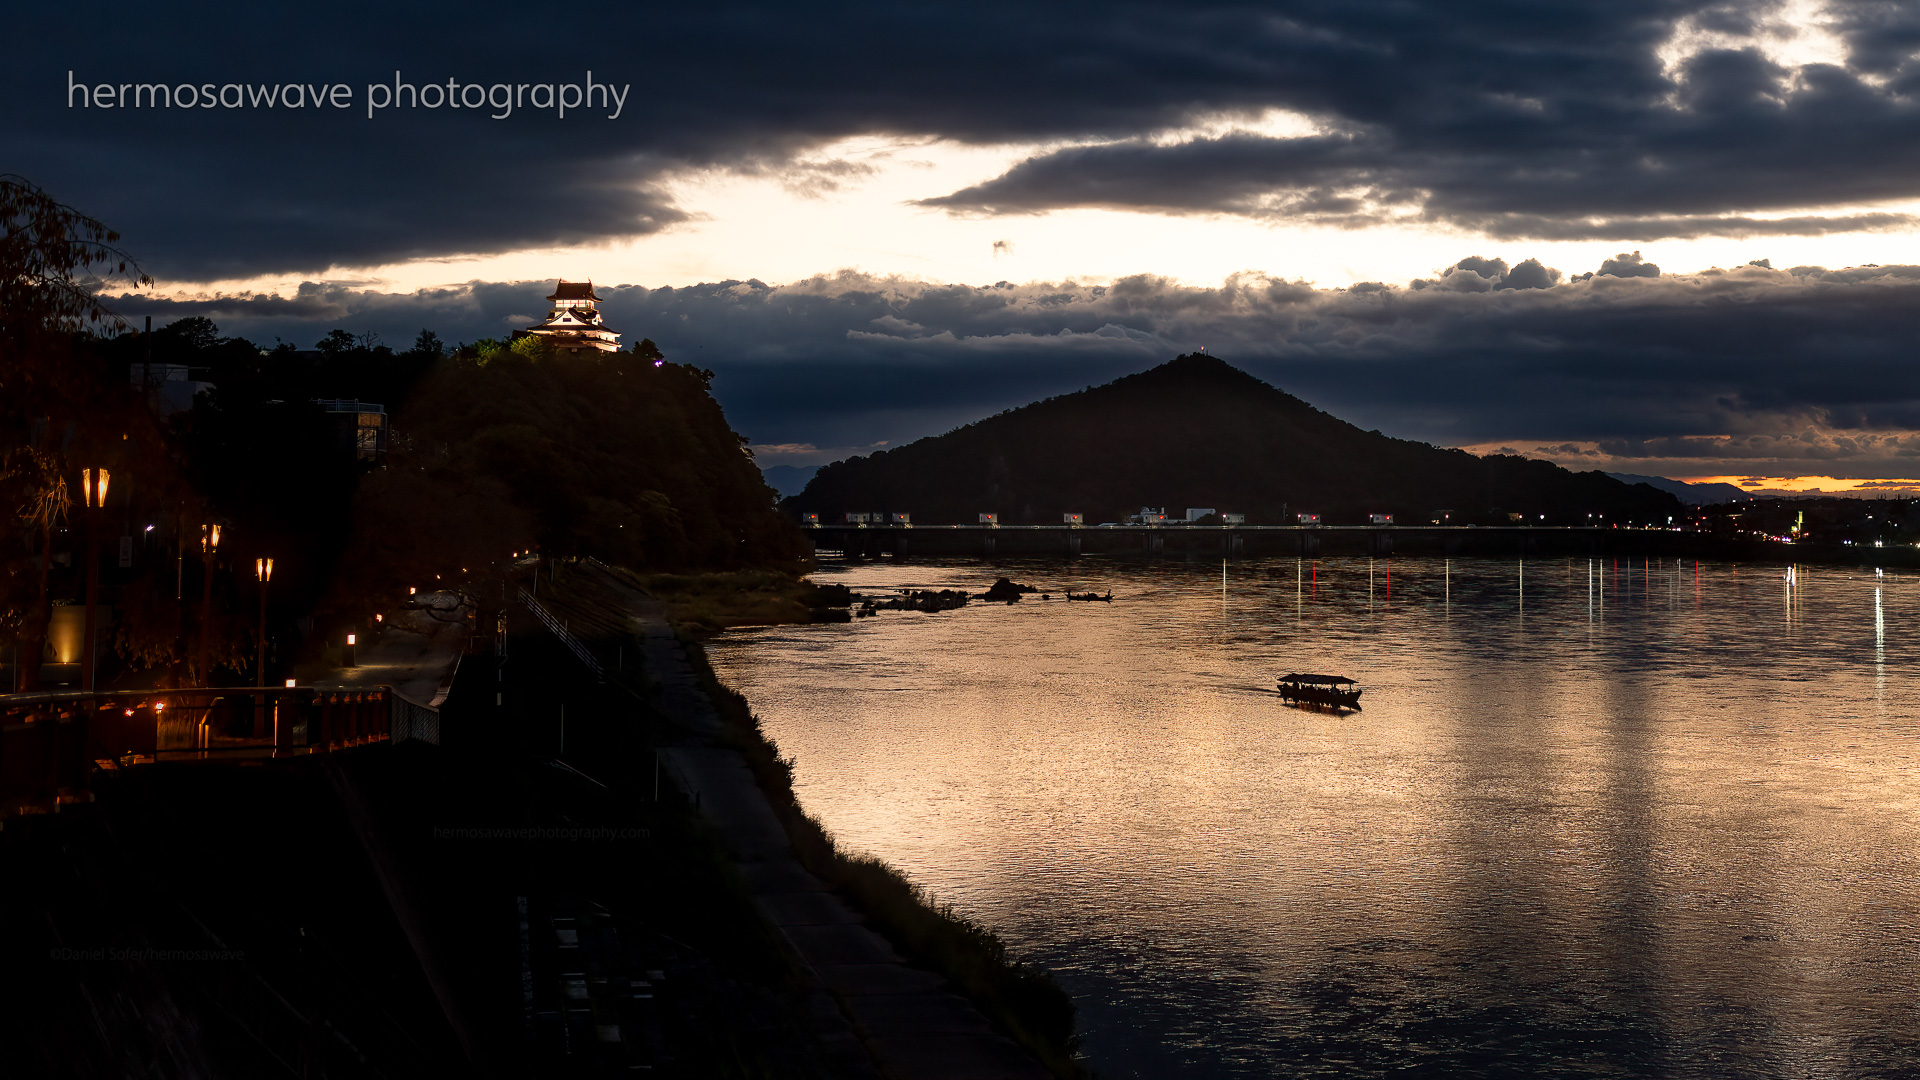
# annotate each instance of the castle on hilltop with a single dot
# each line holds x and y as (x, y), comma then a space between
(573, 322)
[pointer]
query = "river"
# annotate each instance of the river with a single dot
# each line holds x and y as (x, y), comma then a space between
(1595, 818)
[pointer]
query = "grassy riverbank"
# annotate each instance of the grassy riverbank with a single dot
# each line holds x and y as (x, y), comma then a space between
(701, 605)
(1021, 999)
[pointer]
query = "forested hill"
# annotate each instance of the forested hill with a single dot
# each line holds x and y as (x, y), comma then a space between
(1197, 432)
(621, 456)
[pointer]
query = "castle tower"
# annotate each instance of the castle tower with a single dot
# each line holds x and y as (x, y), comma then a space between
(573, 322)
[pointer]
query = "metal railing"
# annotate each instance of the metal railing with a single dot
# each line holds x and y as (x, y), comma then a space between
(560, 631)
(52, 743)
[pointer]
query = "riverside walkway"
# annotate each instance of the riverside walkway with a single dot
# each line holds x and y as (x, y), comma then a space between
(415, 651)
(863, 993)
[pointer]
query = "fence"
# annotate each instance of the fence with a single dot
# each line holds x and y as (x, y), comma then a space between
(560, 631)
(50, 744)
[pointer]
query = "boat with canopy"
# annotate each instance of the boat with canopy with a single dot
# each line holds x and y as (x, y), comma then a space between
(1321, 689)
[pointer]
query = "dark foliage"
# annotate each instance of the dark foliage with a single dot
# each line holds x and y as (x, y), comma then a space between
(1198, 432)
(622, 457)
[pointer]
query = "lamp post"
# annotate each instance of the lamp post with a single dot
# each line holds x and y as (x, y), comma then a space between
(209, 543)
(262, 569)
(94, 481)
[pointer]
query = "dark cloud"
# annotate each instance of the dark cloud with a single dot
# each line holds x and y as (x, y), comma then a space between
(1529, 274)
(1628, 264)
(1552, 120)
(1749, 369)
(1476, 274)
(1554, 125)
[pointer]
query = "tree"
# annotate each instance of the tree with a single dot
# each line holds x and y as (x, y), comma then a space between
(428, 345)
(56, 401)
(336, 344)
(31, 482)
(52, 261)
(195, 332)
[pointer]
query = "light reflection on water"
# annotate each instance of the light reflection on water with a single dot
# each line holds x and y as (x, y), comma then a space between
(1595, 819)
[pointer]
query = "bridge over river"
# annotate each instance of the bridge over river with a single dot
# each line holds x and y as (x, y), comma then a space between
(1500, 541)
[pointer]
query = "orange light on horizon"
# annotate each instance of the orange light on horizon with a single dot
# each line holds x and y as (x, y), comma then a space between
(1811, 485)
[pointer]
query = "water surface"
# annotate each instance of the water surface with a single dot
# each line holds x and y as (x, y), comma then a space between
(1595, 819)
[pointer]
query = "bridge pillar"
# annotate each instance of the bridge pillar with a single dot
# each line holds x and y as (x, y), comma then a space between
(986, 542)
(1309, 544)
(1380, 543)
(1073, 543)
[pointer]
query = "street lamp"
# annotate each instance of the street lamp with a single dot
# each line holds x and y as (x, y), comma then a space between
(94, 483)
(262, 569)
(209, 544)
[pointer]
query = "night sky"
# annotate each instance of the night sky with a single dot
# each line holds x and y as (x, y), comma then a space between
(1658, 237)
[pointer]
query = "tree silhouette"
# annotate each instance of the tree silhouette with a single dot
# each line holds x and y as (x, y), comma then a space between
(54, 262)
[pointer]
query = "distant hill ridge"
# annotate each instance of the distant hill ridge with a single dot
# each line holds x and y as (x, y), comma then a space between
(1691, 494)
(1197, 431)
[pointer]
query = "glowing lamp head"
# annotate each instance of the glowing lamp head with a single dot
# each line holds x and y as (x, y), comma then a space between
(94, 485)
(263, 569)
(289, 684)
(350, 639)
(209, 538)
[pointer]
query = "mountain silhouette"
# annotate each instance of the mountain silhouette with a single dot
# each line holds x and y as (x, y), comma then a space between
(1198, 432)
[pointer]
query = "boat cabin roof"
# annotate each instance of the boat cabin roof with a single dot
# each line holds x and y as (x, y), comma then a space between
(1318, 680)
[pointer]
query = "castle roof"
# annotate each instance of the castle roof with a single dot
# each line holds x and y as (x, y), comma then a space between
(573, 290)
